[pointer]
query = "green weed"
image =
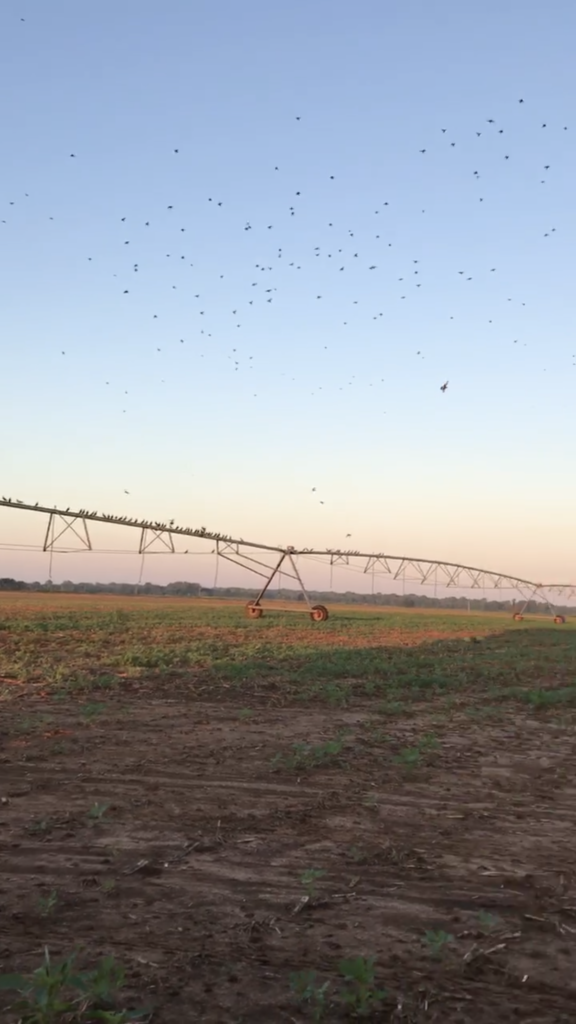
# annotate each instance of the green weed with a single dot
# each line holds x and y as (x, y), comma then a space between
(157, 657)
(79, 682)
(105, 681)
(409, 757)
(391, 707)
(370, 800)
(40, 826)
(487, 921)
(46, 904)
(437, 941)
(97, 811)
(336, 695)
(307, 755)
(309, 878)
(356, 853)
(56, 993)
(61, 747)
(90, 711)
(306, 990)
(429, 742)
(540, 699)
(360, 993)
(489, 711)
(56, 675)
(31, 723)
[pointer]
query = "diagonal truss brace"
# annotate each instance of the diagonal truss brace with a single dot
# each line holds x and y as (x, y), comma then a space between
(63, 523)
(377, 564)
(537, 593)
(233, 555)
(286, 555)
(165, 540)
(337, 559)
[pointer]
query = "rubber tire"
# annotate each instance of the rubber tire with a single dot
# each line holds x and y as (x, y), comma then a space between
(254, 611)
(319, 613)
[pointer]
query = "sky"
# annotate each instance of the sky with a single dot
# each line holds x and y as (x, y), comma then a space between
(242, 246)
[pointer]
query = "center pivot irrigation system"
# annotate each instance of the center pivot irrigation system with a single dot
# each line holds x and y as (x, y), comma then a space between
(68, 532)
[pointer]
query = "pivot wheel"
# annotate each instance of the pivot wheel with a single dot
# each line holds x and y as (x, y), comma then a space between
(254, 611)
(518, 617)
(559, 620)
(319, 613)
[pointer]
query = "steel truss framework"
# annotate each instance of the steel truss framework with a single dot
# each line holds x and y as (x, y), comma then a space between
(68, 532)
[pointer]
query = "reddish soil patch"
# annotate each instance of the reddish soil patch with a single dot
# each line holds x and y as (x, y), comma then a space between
(191, 877)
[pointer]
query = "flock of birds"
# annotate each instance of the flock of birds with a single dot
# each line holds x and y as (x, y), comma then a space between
(154, 525)
(83, 513)
(343, 251)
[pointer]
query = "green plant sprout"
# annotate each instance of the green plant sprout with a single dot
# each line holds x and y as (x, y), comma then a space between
(437, 941)
(309, 879)
(56, 992)
(360, 992)
(306, 990)
(97, 811)
(46, 904)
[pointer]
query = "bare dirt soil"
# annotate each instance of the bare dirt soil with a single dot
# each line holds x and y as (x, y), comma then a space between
(218, 847)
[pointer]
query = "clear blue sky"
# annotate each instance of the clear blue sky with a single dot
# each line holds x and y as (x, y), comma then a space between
(227, 409)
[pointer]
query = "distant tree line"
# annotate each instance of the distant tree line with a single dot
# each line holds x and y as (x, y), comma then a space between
(183, 588)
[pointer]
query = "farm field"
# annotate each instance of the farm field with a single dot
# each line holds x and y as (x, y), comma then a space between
(277, 820)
